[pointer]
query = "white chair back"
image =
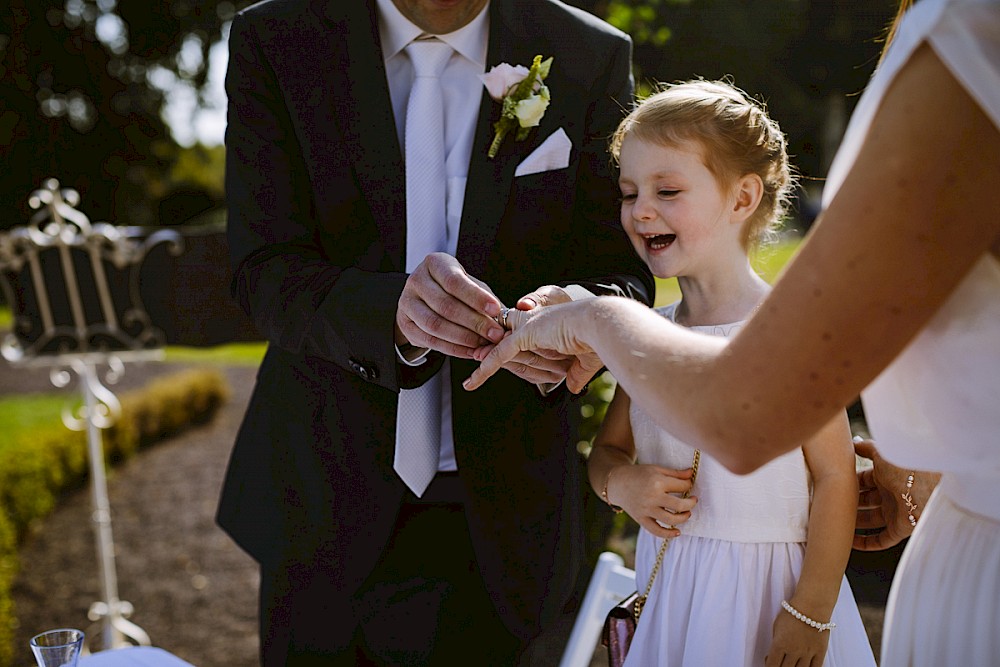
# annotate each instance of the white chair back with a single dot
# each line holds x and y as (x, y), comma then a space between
(610, 583)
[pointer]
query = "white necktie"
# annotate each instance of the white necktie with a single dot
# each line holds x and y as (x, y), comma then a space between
(418, 419)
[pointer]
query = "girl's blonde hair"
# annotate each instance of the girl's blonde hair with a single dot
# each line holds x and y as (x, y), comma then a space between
(737, 137)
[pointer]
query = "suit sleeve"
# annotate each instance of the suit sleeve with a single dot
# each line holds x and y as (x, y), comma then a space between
(300, 298)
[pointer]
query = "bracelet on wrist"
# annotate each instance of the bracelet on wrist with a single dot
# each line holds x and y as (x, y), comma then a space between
(911, 506)
(820, 627)
(604, 494)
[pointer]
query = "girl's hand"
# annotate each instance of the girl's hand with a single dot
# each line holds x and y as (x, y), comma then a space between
(651, 495)
(796, 644)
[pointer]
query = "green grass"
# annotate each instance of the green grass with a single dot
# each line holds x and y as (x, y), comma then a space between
(25, 413)
(768, 263)
(230, 354)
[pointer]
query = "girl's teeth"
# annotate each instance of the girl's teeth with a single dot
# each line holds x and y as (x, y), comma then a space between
(660, 241)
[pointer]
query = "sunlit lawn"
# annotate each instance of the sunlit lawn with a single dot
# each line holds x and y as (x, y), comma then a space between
(231, 354)
(769, 263)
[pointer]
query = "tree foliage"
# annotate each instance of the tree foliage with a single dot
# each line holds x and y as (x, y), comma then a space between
(82, 88)
(807, 59)
(83, 85)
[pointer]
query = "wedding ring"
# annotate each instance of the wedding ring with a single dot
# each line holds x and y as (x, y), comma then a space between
(502, 317)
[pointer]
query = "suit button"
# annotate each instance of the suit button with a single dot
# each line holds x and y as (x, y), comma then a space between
(365, 372)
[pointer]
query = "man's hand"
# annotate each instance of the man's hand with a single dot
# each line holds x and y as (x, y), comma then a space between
(445, 309)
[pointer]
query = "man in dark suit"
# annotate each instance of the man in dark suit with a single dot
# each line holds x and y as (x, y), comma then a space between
(358, 567)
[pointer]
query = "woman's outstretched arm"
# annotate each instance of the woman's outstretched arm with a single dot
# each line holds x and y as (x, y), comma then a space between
(916, 212)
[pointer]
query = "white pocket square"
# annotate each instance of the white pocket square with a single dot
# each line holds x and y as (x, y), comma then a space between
(553, 153)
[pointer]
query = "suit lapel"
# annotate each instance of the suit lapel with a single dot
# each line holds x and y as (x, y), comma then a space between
(489, 184)
(363, 111)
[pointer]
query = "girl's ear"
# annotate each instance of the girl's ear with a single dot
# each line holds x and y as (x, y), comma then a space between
(749, 190)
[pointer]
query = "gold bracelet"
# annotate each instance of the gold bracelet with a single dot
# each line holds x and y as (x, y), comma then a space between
(604, 494)
(820, 627)
(911, 506)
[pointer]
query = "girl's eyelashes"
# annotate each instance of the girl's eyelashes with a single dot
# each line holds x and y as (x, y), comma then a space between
(663, 192)
(627, 197)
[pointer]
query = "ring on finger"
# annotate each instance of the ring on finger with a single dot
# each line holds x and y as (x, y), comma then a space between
(501, 319)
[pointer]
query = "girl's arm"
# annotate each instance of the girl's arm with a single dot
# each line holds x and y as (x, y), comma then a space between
(830, 459)
(646, 493)
(917, 210)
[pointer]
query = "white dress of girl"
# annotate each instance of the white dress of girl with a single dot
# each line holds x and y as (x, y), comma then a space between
(936, 406)
(720, 587)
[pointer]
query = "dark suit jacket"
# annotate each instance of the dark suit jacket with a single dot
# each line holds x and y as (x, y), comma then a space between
(315, 186)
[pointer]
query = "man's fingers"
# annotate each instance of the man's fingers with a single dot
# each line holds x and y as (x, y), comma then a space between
(445, 309)
(451, 276)
(423, 327)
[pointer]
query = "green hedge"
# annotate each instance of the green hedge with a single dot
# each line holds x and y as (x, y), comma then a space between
(41, 465)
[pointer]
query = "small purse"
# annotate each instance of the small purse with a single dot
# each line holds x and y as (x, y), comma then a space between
(622, 619)
(619, 627)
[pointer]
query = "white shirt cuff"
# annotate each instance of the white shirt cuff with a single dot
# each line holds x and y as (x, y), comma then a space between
(577, 292)
(414, 356)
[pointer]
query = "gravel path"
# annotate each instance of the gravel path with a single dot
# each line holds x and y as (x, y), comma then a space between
(193, 590)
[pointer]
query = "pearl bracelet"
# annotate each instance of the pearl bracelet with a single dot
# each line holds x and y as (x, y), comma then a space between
(820, 627)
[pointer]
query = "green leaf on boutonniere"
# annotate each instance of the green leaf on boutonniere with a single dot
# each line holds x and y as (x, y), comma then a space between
(523, 96)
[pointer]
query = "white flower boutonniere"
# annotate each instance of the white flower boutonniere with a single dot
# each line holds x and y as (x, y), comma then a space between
(523, 95)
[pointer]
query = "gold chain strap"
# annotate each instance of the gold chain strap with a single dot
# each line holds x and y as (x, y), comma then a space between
(640, 602)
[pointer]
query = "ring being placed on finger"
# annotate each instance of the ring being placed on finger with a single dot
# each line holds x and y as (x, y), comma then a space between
(502, 317)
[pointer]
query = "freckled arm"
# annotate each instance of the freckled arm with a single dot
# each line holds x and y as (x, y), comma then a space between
(916, 212)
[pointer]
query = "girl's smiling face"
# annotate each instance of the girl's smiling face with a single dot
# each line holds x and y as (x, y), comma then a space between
(673, 208)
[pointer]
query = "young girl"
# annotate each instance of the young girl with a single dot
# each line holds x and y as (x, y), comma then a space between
(734, 579)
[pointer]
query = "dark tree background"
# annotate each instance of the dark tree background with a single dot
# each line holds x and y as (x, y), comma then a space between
(82, 86)
(807, 59)
(78, 102)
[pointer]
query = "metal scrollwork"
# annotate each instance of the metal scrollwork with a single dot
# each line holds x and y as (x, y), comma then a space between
(63, 279)
(60, 257)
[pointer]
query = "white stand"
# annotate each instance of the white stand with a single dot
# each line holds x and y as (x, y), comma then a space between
(76, 342)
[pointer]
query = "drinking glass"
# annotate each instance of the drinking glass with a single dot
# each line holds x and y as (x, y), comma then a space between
(57, 648)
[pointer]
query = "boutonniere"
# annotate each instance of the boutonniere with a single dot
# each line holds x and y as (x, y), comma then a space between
(523, 95)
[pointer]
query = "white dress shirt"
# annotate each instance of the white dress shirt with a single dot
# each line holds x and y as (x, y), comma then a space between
(462, 91)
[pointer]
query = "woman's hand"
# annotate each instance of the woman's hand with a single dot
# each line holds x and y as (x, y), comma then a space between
(651, 495)
(881, 502)
(541, 367)
(548, 331)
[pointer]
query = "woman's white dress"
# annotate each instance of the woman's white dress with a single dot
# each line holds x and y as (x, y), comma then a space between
(720, 587)
(937, 406)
